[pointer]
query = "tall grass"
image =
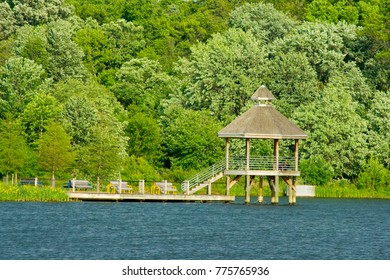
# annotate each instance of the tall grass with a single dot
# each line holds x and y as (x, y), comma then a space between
(343, 189)
(32, 193)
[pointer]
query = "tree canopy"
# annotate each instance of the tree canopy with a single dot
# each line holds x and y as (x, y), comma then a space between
(141, 88)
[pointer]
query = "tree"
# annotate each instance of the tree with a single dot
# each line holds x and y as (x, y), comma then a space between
(190, 138)
(20, 80)
(54, 150)
(30, 12)
(336, 132)
(374, 176)
(222, 74)
(13, 148)
(108, 46)
(104, 156)
(65, 59)
(262, 20)
(79, 118)
(38, 114)
(142, 83)
(144, 137)
(325, 45)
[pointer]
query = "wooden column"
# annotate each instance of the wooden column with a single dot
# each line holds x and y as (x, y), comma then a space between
(227, 146)
(276, 184)
(247, 177)
(296, 154)
(260, 199)
(294, 191)
(290, 193)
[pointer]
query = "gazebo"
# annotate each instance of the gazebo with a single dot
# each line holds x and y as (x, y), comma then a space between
(262, 121)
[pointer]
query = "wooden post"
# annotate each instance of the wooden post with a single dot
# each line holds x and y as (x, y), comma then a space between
(247, 150)
(209, 187)
(247, 189)
(294, 191)
(290, 192)
(227, 185)
(260, 199)
(272, 187)
(247, 177)
(120, 185)
(276, 184)
(227, 146)
(187, 187)
(36, 181)
(73, 186)
(141, 186)
(296, 154)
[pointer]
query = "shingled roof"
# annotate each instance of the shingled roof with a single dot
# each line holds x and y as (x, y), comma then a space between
(262, 121)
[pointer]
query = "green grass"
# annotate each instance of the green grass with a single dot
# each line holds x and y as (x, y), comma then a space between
(32, 193)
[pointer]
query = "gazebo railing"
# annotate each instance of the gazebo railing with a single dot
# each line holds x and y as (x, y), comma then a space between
(239, 163)
(262, 163)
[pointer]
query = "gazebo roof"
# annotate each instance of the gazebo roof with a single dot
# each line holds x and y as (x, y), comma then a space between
(262, 93)
(262, 121)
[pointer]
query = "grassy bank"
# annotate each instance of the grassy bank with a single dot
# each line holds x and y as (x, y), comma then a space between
(32, 193)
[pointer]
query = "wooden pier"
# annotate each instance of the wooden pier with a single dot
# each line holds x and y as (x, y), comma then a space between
(101, 196)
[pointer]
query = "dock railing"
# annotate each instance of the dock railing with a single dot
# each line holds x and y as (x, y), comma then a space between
(239, 163)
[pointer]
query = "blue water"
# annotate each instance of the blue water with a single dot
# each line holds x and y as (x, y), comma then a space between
(314, 229)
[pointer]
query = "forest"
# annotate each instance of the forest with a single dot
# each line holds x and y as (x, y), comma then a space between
(138, 89)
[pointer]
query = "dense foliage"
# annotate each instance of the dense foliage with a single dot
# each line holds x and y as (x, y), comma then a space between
(139, 89)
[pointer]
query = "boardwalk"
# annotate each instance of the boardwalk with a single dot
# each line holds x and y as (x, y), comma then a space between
(94, 196)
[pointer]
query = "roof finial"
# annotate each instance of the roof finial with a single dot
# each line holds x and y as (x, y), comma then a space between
(262, 94)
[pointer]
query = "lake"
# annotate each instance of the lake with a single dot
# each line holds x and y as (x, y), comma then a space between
(314, 229)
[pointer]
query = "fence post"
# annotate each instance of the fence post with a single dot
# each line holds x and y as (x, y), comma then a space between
(36, 181)
(120, 185)
(73, 186)
(187, 187)
(141, 186)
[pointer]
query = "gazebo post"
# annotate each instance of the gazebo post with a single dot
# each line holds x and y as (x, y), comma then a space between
(227, 145)
(276, 184)
(294, 189)
(260, 199)
(247, 177)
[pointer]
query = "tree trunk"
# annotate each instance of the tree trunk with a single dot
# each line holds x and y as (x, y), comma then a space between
(53, 180)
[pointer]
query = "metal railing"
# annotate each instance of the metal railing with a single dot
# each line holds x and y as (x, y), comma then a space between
(205, 175)
(239, 163)
(262, 163)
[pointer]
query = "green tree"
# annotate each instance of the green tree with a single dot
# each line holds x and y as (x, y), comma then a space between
(190, 138)
(65, 59)
(79, 118)
(104, 156)
(374, 176)
(336, 132)
(222, 74)
(315, 171)
(263, 20)
(38, 114)
(144, 137)
(13, 148)
(30, 12)
(141, 82)
(108, 46)
(20, 80)
(55, 152)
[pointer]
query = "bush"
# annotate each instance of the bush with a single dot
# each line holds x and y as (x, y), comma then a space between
(374, 176)
(315, 171)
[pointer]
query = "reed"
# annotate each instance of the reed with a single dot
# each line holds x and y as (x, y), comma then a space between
(32, 193)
